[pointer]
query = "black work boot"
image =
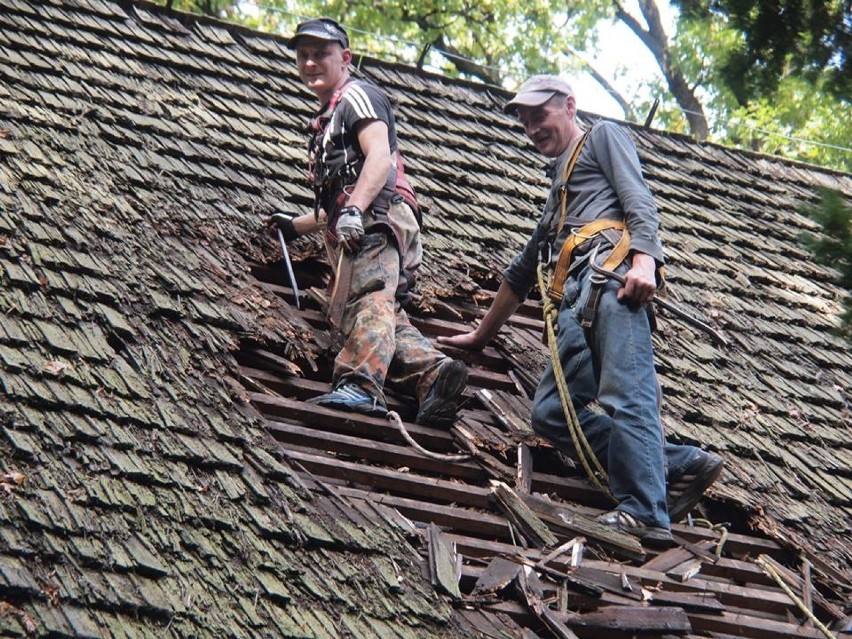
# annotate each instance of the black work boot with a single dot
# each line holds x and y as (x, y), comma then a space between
(685, 492)
(442, 401)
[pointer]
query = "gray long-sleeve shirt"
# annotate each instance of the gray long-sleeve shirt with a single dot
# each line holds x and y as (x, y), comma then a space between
(606, 183)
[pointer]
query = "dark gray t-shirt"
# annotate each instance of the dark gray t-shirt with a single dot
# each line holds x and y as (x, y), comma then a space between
(606, 183)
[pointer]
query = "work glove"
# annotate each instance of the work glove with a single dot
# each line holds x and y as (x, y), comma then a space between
(350, 228)
(283, 220)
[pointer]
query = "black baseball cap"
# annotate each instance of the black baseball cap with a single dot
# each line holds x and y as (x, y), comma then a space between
(322, 29)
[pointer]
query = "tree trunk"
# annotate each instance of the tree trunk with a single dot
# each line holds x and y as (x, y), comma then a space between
(654, 37)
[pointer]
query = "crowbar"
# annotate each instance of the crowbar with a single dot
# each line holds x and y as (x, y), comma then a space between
(289, 265)
(674, 310)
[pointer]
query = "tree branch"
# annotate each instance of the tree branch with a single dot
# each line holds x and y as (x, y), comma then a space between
(606, 84)
(464, 65)
(654, 37)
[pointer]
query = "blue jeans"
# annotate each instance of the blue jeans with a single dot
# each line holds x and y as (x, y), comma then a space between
(613, 363)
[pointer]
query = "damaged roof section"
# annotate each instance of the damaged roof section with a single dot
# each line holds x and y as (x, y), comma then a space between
(141, 496)
(510, 530)
(144, 366)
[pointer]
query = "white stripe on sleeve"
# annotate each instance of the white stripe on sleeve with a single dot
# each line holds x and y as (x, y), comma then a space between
(357, 97)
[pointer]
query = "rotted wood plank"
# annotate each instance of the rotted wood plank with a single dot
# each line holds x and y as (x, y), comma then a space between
(639, 619)
(750, 627)
(570, 487)
(561, 517)
(393, 455)
(570, 580)
(497, 575)
(399, 483)
(617, 583)
(698, 602)
(482, 435)
(530, 588)
(350, 423)
(471, 443)
(760, 602)
(504, 412)
(443, 562)
(524, 469)
(460, 520)
(667, 560)
(569, 546)
(687, 570)
(694, 558)
(522, 516)
(588, 597)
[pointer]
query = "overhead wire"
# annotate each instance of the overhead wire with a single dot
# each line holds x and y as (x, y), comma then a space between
(391, 38)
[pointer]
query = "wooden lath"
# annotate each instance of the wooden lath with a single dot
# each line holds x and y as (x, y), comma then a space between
(473, 533)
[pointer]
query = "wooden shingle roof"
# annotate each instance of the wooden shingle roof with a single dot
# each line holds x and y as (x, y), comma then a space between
(160, 472)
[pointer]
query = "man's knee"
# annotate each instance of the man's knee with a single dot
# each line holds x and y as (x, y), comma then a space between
(543, 420)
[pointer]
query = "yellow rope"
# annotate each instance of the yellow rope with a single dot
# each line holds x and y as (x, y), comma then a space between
(581, 444)
(769, 570)
(721, 528)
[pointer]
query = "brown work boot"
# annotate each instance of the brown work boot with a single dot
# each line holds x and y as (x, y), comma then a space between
(441, 404)
(685, 492)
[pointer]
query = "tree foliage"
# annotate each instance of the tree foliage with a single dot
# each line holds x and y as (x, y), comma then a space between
(809, 38)
(771, 108)
(834, 247)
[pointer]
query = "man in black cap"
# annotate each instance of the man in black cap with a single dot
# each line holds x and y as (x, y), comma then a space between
(366, 208)
(598, 198)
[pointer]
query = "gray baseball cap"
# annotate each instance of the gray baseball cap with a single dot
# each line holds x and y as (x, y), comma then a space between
(536, 91)
(322, 29)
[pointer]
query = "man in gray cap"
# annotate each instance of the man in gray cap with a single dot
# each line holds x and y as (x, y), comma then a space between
(368, 212)
(599, 200)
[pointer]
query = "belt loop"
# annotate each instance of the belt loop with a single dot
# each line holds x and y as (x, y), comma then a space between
(587, 319)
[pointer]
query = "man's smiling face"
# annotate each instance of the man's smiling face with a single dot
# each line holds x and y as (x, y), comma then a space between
(322, 65)
(550, 126)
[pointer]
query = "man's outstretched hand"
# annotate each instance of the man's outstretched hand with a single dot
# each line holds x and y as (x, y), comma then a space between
(467, 341)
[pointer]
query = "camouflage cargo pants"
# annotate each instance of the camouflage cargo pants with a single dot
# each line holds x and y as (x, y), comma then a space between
(380, 344)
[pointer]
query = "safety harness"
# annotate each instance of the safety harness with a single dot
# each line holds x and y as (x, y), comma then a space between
(597, 231)
(341, 180)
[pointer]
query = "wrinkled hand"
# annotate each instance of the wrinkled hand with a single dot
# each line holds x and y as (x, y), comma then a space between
(283, 220)
(350, 228)
(640, 282)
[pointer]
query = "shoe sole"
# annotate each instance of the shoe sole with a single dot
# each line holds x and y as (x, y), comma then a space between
(657, 539)
(651, 536)
(711, 468)
(451, 382)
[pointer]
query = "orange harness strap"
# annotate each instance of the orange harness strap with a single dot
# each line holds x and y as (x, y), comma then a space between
(587, 232)
(566, 174)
